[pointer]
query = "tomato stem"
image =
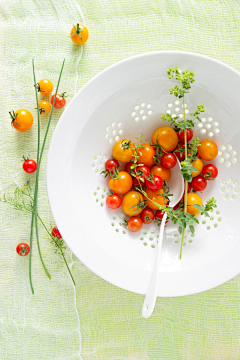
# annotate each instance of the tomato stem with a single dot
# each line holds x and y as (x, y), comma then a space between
(14, 118)
(42, 111)
(63, 96)
(77, 31)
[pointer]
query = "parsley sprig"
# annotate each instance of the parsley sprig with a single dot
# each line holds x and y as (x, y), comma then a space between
(204, 209)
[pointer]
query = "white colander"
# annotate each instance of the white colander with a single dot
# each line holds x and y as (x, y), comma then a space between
(120, 103)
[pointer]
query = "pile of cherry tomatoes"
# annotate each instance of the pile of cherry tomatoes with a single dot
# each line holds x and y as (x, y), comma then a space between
(152, 174)
(22, 119)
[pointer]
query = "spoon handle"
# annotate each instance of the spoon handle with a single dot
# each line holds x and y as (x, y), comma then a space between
(150, 299)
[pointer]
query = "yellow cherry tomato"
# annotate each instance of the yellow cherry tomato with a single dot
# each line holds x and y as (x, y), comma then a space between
(131, 202)
(22, 120)
(160, 200)
(193, 199)
(122, 184)
(123, 150)
(146, 157)
(167, 138)
(44, 107)
(79, 34)
(208, 150)
(198, 165)
(45, 87)
(161, 171)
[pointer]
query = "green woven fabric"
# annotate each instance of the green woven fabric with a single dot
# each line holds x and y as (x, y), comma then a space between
(99, 321)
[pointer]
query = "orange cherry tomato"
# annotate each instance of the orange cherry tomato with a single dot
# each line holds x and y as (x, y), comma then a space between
(79, 34)
(123, 150)
(160, 200)
(167, 138)
(45, 87)
(22, 120)
(44, 107)
(193, 199)
(131, 202)
(122, 184)
(208, 150)
(148, 153)
(198, 165)
(161, 171)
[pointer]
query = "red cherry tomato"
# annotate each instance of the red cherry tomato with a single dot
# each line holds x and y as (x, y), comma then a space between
(128, 166)
(113, 201)
(159, 215)
(180, 156)
(60, 101)
(23, 249)
(199, 183)
(56, 233)
(180, 135)
(168, 160)
(157, 185)
(176, 206)
(210, 170)
(110, 165)
(136, 183)
(147, 215)
(143, 171)
(134, 223)
(30, 166)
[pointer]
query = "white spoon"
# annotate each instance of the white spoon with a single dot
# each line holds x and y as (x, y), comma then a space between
(176, 187)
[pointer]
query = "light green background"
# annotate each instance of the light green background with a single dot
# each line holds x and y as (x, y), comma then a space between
(97, 321)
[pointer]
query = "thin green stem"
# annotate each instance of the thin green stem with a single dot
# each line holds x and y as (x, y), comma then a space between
(39, 157)
(38, 164)
(30, 254)
(42, 148)
(36, 227)
(36, 93)
(62, 253)
(35, 195)
(185, 183)
(67, 266)
(50, 117)
(43, 225)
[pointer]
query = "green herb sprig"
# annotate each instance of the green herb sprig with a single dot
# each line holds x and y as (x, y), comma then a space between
(22, 200)
(183, 218)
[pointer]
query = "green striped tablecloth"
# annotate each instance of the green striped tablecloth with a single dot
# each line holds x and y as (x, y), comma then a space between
(95, 320)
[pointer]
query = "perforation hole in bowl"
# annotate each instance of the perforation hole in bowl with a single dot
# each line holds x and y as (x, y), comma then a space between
(142, 112)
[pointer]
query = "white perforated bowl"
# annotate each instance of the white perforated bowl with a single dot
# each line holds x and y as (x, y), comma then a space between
(120, 103)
